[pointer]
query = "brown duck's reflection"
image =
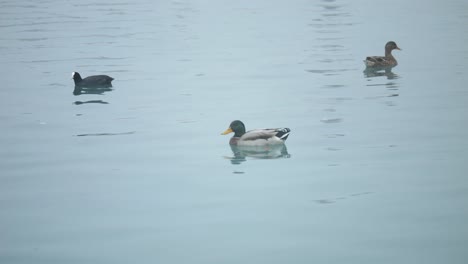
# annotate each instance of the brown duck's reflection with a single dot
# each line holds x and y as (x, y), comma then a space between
(258, 152)
(91, 90)
(371, 72)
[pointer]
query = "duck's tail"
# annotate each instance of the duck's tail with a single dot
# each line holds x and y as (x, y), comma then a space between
(283, 133)
(368, 62)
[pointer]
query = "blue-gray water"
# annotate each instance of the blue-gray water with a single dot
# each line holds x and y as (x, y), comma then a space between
(375, 169)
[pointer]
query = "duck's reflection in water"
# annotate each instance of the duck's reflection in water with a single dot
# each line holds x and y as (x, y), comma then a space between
(371, 72)
(258, 152)
(391, 83)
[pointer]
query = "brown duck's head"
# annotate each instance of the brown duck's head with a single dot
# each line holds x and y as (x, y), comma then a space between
(391, 45)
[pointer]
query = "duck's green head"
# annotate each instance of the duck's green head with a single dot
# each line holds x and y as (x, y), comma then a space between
(391, 45)
(237, 127)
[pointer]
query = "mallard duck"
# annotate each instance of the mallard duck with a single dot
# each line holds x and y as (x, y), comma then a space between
(383, 61)
(256, 137)
(92, 81)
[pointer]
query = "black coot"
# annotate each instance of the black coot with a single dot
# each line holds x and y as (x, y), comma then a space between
(95, 81)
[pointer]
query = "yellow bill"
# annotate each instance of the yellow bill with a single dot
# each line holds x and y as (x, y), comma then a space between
(229, 130)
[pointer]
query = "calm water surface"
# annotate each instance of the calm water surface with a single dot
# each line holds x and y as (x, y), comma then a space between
(374, 171)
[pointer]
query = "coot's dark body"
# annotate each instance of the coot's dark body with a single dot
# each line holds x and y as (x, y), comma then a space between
(95, 81)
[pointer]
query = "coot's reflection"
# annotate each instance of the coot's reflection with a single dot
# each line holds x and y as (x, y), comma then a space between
(90, 102)
(92, 90)
(258, 152)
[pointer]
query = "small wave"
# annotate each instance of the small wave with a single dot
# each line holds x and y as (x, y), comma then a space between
(105, 134)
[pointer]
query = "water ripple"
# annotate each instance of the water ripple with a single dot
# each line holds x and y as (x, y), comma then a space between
(105, 134)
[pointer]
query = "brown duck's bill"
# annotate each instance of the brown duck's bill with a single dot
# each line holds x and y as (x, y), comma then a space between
(398, 48)
(229, 130)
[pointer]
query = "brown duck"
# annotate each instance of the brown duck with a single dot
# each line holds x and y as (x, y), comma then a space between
(383, 61)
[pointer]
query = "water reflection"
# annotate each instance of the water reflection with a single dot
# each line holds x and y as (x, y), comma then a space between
(105, 134)
(258, 152)
(90, 102)
(332, 21)
(371, 72)
(325, 201)
(331, 120)
(91, 90)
